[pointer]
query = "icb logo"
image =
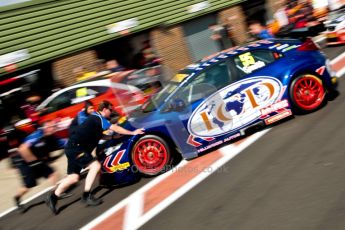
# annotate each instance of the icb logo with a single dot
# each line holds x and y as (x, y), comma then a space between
(234, 106)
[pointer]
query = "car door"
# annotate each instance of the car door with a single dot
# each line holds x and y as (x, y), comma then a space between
(222, 115)
(194, 94)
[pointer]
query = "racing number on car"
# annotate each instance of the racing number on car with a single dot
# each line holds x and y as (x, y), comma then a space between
(247, 59)
(82, 92)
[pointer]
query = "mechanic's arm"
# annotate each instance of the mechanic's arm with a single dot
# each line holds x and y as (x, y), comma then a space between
(26, 153)
(120, 130)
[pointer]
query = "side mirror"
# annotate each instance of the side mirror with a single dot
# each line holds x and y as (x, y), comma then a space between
(176, 104)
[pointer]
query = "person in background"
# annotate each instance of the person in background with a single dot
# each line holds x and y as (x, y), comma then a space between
(33, 158)
(82, 116)
(30, 107)
(113, 66)
(82, 73)
(219, 35)
(258, 31)
(78, 151)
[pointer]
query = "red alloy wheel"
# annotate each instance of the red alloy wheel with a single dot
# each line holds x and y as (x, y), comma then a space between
(151, 155)
(308, 92)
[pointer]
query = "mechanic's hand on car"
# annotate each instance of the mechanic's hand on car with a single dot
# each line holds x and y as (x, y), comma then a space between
(138, 131)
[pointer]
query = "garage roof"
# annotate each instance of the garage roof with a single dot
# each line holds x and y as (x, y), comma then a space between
(43, 30)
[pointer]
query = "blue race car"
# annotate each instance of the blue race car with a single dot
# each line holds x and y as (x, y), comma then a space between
(219, 99)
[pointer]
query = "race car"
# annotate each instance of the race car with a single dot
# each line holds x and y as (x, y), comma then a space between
(65, 104)
(220, 99)
(335, 33)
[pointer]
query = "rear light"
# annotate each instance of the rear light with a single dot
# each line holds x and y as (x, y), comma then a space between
(308, 45)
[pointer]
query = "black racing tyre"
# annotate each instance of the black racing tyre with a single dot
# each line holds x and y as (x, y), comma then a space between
(152, 155)
(307, 93)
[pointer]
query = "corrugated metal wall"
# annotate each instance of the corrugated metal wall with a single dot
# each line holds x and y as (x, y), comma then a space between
(56, 28)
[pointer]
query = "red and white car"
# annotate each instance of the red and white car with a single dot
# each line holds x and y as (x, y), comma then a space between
(65, 104)
(335, 33)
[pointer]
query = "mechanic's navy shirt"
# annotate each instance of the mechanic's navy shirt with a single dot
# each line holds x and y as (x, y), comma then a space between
(90, 131)
(78, 120)
(42, 145)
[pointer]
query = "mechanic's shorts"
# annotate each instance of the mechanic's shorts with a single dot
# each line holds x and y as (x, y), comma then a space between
(77, 158)
(31, 174)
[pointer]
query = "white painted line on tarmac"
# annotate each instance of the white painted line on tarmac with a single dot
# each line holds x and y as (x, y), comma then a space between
(26, 201)
(133, 211)
(229, 152)
(340, 72)
(125, 201)
(338, 58)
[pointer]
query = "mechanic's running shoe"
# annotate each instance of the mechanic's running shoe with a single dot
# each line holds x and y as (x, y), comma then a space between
(18, 204)
(51, 201)
(90, 200)
(65, 195)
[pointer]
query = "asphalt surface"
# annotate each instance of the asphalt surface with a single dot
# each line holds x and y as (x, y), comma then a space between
(333, 51)
(292, 178)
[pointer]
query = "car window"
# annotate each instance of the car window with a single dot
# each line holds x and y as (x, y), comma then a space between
(209, 81)
(60, 102)
(86, 93)
(251, 61)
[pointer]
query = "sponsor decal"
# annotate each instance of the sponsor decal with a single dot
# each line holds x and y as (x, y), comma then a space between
(274, 46)
(192, 66)
(237, 135)
(249, 64)
(112, 163)
(219, 142)
(274, 107)
(254, 45)
(82, 92)
(242, 49)
(210, 146)
(251, 68)
(232, 52)
(222, 56)
(289, 48)
(214, 60)
(282, 46)
(285, 113)
(321, 70)
(205, 64)
(234, 106)
(193, 142)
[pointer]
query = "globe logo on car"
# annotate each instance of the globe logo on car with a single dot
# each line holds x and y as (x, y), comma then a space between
(234, 106)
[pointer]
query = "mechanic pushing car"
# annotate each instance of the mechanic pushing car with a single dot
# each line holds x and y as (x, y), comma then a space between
(82, 115)
(78, 150)
(33, 157)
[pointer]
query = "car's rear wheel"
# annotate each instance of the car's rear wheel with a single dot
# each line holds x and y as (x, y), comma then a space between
(307, 93)
(152, 155)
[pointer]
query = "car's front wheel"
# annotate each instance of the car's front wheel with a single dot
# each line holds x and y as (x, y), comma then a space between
(152, 155)
(307, 93)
